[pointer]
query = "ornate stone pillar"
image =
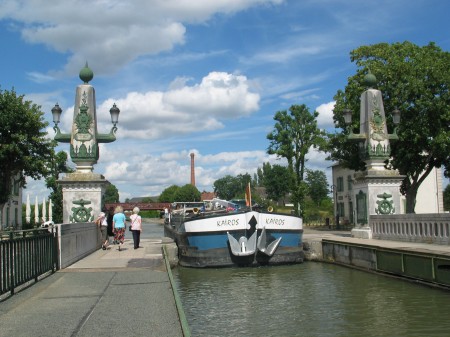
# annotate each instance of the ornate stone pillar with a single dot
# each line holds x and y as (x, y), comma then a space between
(83, 189)
(376, 190)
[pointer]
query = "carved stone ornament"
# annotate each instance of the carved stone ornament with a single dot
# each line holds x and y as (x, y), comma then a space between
(385, 206)
(81, 213)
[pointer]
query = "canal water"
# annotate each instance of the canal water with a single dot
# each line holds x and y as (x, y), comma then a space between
(309, 299)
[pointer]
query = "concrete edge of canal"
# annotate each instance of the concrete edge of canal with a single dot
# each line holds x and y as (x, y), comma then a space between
(424, 263)
(170, 255)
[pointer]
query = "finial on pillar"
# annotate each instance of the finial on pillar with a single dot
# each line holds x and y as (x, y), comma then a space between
(370, 80)
(86, 74)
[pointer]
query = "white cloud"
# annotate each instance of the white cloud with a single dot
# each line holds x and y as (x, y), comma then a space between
(117, 171)
(110, 33)
(147, 175)
(184, 109)
(136, 174)
(325, 118)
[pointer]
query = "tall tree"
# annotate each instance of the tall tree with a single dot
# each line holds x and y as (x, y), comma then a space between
(111, 194)
(318, 185)
(276, 180)
(227, 187)
(168, 195)
(57, 165)
(447, 198)
(259, 176)
(415, 80)
(188, 192)
(24, 148)
(293, 135)
(243, 181)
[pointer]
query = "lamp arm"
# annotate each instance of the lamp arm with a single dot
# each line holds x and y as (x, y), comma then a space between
(61, 137)
(356, 136)
(394, 135)
(107, 137)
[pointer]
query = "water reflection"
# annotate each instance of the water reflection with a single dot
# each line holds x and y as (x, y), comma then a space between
(310, 299)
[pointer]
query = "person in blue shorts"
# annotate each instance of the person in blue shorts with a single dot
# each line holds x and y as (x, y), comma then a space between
(119, 226)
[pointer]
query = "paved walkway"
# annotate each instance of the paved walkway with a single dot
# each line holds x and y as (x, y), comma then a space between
(345, 237)
(108, 293)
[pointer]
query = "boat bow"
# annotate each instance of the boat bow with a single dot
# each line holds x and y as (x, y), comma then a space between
(243, 247)
(262, 244)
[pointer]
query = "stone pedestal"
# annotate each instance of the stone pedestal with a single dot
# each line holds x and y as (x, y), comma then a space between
(377, 192)
(362, 233)
(82, 196)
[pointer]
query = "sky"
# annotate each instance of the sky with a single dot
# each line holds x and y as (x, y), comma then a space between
(197, 76)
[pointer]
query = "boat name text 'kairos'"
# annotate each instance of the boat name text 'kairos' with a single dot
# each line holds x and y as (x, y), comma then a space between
(232, 222)
(272, 221)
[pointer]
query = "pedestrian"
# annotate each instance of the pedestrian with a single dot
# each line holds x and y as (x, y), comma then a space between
(136, 227)
(109, 220)
(119, 226)
(102, 223)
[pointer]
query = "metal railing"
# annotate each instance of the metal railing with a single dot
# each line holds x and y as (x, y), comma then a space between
(25, 255)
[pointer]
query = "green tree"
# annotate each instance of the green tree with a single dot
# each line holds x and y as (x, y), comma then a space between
(318, 213)
(276, 180)
(317, 184)
(293, 135)
(188, 192)
(24, 148)
(168, 195)
(243, 180)
(57, 165)
(111, 194)
(227, 187)
(415, 80)
(447, 198)
(230, 187)
(259, 176)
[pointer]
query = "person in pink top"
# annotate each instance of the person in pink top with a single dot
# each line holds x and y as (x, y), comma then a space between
(136, 227)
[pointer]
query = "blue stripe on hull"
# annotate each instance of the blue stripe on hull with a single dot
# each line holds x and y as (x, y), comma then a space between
(288, 239)
(208, 241)
(213, 240)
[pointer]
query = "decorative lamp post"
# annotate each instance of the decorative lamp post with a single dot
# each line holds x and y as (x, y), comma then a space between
(56, 112)
(114, 111)
(83, 189)
(347, 116)
(376, 189)
(84, 138)
(373, 130)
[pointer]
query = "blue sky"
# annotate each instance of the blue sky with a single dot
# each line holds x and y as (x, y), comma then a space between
(197, 76)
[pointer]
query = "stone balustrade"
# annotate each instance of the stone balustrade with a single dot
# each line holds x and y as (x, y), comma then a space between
(422, 228)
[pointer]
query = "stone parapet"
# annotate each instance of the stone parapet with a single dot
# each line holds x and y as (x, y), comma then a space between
(421, 228)
(77, 240)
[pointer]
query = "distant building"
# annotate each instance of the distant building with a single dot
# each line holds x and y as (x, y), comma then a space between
(429, 196)
(11, 214)
(208, 196)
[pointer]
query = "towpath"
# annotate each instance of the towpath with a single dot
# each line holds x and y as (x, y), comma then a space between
(108, 293)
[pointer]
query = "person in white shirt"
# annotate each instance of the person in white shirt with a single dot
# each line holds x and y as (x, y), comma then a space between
(136, 227)
(103, 224)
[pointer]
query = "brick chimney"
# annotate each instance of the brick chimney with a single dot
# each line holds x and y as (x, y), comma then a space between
(192, 170)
